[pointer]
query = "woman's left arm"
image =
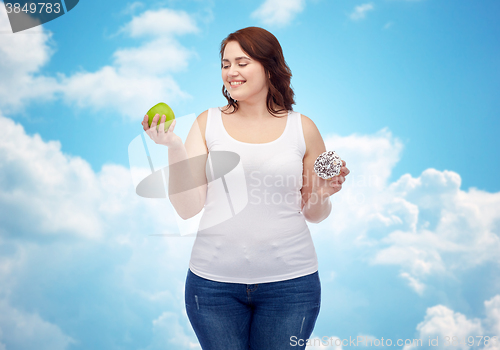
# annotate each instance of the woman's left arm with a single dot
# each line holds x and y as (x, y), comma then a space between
(316, 192)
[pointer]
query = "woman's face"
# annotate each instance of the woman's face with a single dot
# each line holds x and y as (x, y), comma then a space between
(244, 78)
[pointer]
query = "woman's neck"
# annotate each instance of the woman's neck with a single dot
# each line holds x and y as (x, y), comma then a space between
(257, 111)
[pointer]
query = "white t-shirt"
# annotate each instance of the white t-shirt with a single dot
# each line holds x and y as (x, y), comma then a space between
(268, 240)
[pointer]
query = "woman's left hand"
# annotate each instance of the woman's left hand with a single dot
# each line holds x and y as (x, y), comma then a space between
(326, 188)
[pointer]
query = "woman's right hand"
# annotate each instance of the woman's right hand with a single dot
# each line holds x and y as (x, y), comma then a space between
(159, 136)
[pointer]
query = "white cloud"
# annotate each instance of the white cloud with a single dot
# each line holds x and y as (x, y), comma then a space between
(130, 8)
(414, 283)
(442, 322)
(22, 330)
(139, 76)
(492, 321)
(22, 56)
(388, 25)
(61, 195)
(370, 158)
(62, 225)
(452, 229)
(278, 12)
(158, 56)
(39, 184)
(324, 342)
(360, 11)
(161, 23)
(168, 333)
(426, 225)
(117, 94)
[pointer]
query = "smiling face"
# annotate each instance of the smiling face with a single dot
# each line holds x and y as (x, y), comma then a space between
(244, 77)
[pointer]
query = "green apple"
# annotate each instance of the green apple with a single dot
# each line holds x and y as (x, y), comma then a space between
(161, 109)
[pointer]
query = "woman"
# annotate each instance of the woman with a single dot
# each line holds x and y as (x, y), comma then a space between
(253, 280)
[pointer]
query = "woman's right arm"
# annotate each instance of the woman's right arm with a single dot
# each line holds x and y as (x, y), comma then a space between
(187, 187)
(187, 184)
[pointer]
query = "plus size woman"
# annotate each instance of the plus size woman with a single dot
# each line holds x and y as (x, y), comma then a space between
(253, 279)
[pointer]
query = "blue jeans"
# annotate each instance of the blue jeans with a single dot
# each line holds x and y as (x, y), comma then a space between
(264, 316)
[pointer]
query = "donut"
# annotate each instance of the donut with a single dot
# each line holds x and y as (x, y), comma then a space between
(328, 165)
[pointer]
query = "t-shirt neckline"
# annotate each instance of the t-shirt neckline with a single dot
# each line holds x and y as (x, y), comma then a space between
(249, 143)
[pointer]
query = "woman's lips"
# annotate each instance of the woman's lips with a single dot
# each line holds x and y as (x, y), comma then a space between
(236, 85)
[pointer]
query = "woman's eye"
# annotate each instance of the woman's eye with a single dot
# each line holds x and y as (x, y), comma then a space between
(241, 65)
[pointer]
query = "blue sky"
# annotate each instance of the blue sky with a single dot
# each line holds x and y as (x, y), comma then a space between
(405, 91)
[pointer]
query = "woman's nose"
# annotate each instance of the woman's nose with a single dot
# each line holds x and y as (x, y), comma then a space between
(232, 72)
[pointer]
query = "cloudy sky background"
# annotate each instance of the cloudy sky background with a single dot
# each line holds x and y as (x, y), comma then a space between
(405, 91)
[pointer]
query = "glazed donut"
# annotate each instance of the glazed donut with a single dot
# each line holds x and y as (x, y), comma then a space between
(328, 165)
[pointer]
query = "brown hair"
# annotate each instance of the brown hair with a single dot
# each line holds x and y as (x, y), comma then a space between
(263, 47)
